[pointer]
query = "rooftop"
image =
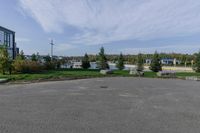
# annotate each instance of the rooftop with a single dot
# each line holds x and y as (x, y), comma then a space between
(5, 29)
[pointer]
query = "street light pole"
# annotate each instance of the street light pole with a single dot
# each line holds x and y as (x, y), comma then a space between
(52, 49)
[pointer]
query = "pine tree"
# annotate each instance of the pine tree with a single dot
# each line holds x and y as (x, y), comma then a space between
(102, 60)
(86, 62)
(197, 63)
(120, 62)
(156, 65)
(140, 62)
(34, 57)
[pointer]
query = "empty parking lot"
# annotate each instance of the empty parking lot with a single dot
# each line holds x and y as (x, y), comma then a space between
(101, 105)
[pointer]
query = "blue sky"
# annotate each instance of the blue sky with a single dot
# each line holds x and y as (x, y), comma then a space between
(79, 26)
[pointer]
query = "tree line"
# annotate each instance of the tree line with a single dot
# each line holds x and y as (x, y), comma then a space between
(185, 59)
(155, 65)
(22, 65)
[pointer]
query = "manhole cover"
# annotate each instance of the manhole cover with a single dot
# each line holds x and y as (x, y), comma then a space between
(103, 86)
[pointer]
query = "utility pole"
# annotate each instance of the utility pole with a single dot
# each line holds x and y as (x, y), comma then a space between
(52, 49)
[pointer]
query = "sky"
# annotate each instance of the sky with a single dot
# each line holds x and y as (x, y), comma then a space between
(80, 26)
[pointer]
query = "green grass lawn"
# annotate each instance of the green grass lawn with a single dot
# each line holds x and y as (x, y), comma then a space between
(178, 74)
(54, 74)
(62, 74)
(79, 73)
(187, 74)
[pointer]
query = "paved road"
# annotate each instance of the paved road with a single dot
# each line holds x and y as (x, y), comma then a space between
(109, 105)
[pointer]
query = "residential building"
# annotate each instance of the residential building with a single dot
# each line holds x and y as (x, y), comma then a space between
(148, 61)
(165, 61)
(7, 37)
(170, 61)
(77, 65)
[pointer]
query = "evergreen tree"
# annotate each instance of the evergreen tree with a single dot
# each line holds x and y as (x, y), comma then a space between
(140, 62)
(102, 61)
(156, 65)
(34, 57)
(86, 62)
(197, 63)
(120, 62)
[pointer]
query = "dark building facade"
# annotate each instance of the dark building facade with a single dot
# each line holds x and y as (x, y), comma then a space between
(7, 37)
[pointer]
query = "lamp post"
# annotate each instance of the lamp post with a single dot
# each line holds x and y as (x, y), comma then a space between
(51, 43)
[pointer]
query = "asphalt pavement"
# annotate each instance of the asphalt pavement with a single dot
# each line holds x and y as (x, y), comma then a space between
(101, 105)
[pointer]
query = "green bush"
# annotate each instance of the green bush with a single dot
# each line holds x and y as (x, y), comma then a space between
(196, 66)
(50, 65)
(26, 66)
(5, 60)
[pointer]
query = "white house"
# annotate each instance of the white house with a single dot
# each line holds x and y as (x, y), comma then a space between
(77, 65)
(165, 61)
(170, 61)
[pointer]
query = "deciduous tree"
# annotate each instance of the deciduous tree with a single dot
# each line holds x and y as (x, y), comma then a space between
(5, 60)
(197, 63)
(140, 62)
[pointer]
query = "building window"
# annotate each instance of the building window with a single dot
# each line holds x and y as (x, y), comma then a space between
(6, 39)
(11, 40)
(1, 37)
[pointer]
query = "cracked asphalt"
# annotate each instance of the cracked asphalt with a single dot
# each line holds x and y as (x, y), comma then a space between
(101, 105)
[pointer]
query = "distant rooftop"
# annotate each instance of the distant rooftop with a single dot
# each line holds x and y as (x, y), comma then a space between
(5, 29)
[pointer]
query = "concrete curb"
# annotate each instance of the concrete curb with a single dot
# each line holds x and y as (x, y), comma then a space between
(3, 80)
(194, 78)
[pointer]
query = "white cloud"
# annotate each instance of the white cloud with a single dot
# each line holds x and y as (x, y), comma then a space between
(60, 48)
(182, 48)
(104, 21)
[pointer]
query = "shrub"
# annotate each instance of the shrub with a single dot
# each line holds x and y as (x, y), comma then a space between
(196, 66)
(25, 66)
(49, 64)
(5, 60)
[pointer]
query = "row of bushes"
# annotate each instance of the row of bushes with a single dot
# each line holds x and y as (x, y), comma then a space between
(25, 66)
(28, 66)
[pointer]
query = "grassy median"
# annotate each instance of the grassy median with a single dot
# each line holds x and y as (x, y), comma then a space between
(54, 74)
(62, 74)
(78, 74)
